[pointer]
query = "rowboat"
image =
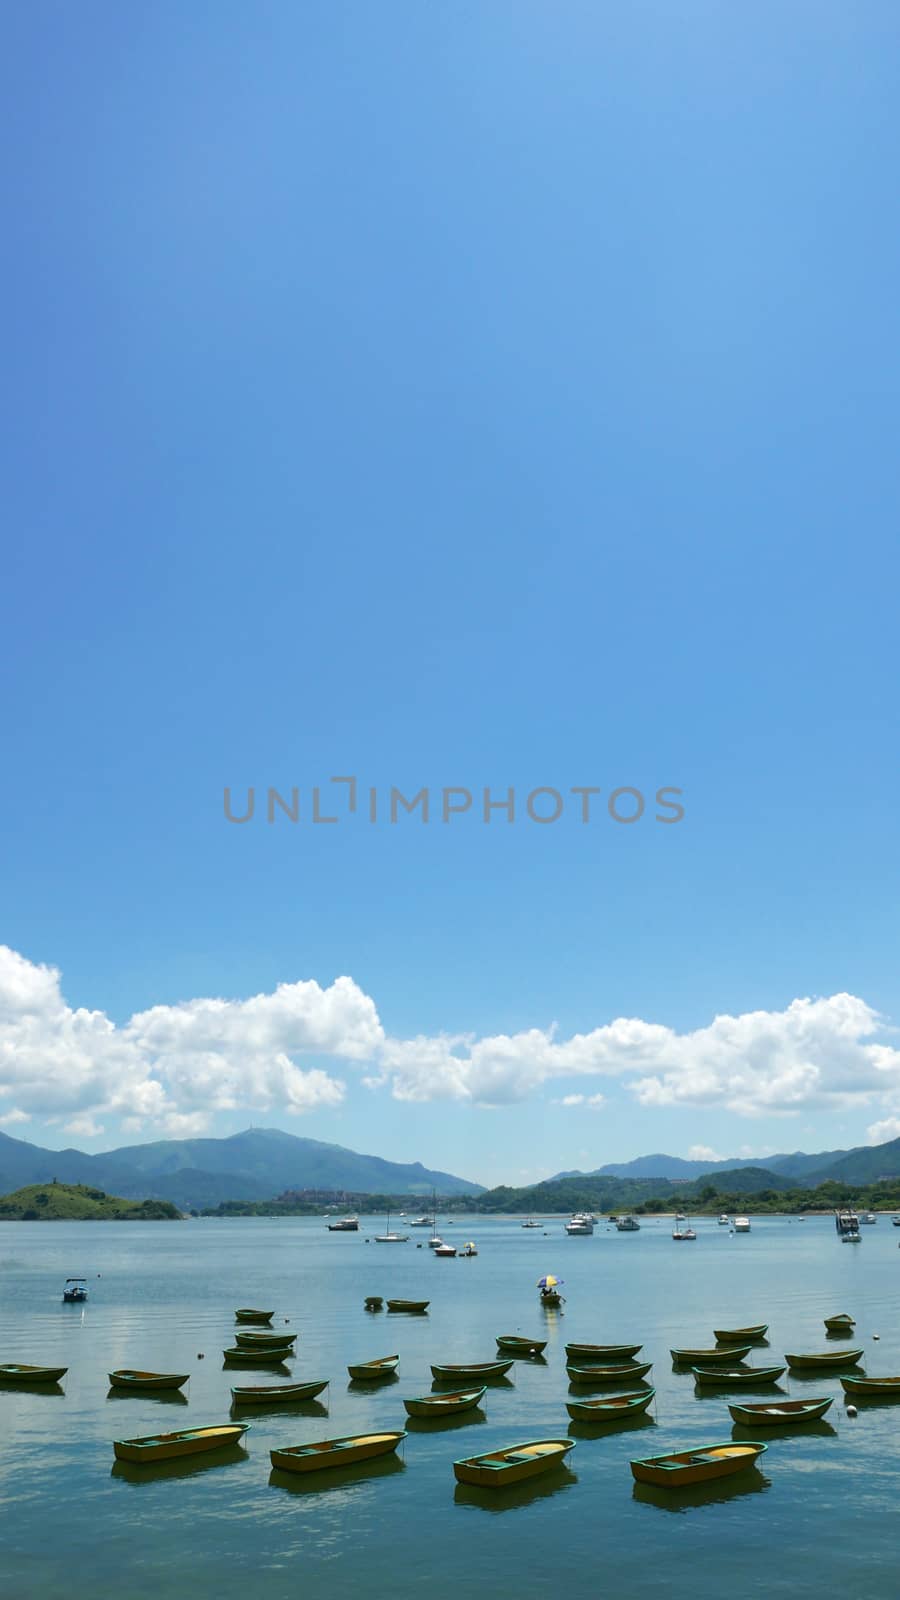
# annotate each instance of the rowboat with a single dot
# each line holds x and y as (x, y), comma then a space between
(771, 1414)
(840, 1324)
(260, 1355)
(498, 1469)
(10, 1372)
(275, 1393)
(408, 1305)
(550, 1297)
(264, 1341)
(602, 1352)
(75, 1290)
(471, 1372)
(444, 1405)
(374, 1371)
(738, 1335)
(707, 1358)
(335, 1452)
(681, 1468)
(127, 1378)
(611, 1407)
(514, 1344)
(186, 1442)
(620, 1373)
(737, 1375)
(887, 1388)
(825, 1358)
(250, 1314)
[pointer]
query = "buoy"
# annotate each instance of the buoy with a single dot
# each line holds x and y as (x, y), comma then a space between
(852, 1411)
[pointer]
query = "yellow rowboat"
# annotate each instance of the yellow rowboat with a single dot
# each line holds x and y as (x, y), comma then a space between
(825, 1358)
(773, 1414)
(611, 1408)
(264, 1341)
(598, 1376)
(602, 1352)
(250, 1314)
(127, 1378)
(374, 1371)
(709, 1358)
(842, 1323)
(335, 1452)
(260, 1355)
(498, 1469)
(887, 1388)
(11, 1373)
(472, 1372)
(682, 1468)
(275, 1393)
(737, 1375)
(187, 1442)
(444, 1405)
(738, 1335)
(417, 1306)
(515, 1345)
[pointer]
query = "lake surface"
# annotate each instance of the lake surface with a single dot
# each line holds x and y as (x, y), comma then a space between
(818, 1518)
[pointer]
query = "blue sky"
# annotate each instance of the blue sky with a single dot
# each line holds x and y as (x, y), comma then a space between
(493, 396)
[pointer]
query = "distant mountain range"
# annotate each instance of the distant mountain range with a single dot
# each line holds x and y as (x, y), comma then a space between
(863, 1164)
(193, 1173)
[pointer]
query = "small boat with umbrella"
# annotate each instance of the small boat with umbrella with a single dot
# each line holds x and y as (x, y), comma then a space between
(600, 1353)
(416, 1306)
(813, 1360)
(515, 1344)
(335, 1452)
(251, 1314)
(610, 1408)
(710, 1358)
(444, 1405)
(774, 1413)
(618, 1372)
(186, 1442)
(12, 1372)
(267, 1394)
(128, 1378)
(470, 1372)
(374, 1371)
(550, 1287)
(681, 1469)
(729, 1377)
(884, 1388)
(499, 1469)
(740, 1335)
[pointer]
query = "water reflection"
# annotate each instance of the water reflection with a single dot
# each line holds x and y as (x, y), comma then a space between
(622, 1424)
(444, 1424)
(751, 1481)
(31, 1388)
(771, 1388)
(281, 1408)
(815, 1428)
(372, 1385)
(158, 1397)
(518, 1494)
(183, 1467)
(440, 1384)
(323, 1478)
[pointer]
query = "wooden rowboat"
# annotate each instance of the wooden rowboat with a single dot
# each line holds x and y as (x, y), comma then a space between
(275, 1393)
(624, 1373)
(374, 1371)
(472, 1372)
(600, 1353)
(250, 1314)
(408, 1305)
(682, 1468)
(335, 1452)
(887, 1388)
(186, 1442)
(514, 1344)
(260, 1355)
(611, 1408)
(737, 1375)
(444, 1405)
(771, 1414)
(738, 1335)
(127, 1378)
(263, 1341)
(498, 1469)
(10, 1372)
(709, 1358)
(841, 1323)
(824, 1358)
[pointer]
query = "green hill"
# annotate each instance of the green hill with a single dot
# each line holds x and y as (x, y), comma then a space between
(76, 1202)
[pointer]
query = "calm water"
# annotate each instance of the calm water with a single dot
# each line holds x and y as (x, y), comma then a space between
(819, 1518)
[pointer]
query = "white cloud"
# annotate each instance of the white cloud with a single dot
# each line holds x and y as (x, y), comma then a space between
(881, 1132)
(591, 1102)
(84, 1127)
(10, 1118)
(702, 1152)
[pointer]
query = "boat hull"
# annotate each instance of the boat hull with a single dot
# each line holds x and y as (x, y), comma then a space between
(259, 1357)
(417, 1306)
(482, 1372)
(168, 1446)
(612, 1374)
(823, 1360)
(600, 1353)
(884, 1388)
(277, 1393)
(513, 1344)
(126, 1379)
(335, 1452)
(710, 1358)
(779, 1413)
(739, 1335)
(611, 1409)
(13, 1373)
(250, 1314)
(444, 1405)
(264, 1341)
(374, 1371)
(501, 1469)
(731, 1377)
(682, 1469)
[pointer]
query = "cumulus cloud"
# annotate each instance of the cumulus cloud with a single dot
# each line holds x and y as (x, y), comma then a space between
(881, 1132)
(592, 1102)
(702, 1152)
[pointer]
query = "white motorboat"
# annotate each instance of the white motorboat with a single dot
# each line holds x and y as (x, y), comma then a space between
(627, 1225)
(724, 1221)
(742, 1224)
